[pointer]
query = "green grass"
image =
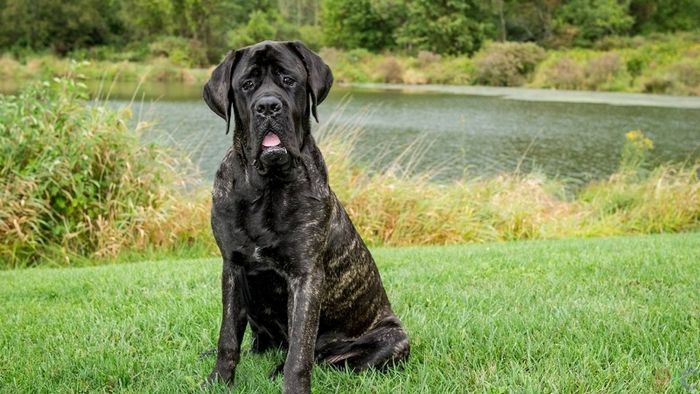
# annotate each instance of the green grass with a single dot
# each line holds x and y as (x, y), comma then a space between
(602, 315)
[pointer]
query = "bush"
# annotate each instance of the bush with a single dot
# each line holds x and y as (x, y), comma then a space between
(602, 70)
(688, 73)
(9, 67)
(508, 63)
(390, 70)
(75, 181)
(457, 70)
(564, 73)
(180, 51)
(659, 84)
(426, 58)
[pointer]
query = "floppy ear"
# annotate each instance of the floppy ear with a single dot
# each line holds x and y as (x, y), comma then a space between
(218, 93)
(319, 76)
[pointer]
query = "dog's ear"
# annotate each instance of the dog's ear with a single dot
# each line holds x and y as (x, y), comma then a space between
(320, 78)
(218, 93)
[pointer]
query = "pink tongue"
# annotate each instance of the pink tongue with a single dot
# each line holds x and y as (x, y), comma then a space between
(271, 139)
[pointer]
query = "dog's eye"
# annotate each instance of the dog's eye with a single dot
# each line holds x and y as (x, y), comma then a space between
(247, 85)
(288, 81)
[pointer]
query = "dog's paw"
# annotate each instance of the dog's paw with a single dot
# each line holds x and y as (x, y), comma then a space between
(277, 371)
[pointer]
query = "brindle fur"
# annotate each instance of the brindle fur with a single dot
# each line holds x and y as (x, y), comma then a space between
(294, 267)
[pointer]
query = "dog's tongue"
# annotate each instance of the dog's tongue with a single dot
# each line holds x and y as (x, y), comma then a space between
(271, 139)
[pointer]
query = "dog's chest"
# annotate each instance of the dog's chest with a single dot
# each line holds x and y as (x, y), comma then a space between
(274, 232)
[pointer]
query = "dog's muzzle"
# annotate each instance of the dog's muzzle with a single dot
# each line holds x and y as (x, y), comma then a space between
(273, 154)
(270, 119)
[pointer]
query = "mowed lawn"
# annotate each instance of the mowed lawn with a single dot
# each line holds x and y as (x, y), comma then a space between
(599, 315)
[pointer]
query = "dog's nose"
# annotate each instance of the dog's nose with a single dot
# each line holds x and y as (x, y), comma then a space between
(268, 106)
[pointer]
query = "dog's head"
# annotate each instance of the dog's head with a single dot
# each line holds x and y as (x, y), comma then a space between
(270, 90)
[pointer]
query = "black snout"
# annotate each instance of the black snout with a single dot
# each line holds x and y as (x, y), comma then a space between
(268, 106)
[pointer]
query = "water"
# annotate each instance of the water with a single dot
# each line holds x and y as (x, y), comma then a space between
(575, 136)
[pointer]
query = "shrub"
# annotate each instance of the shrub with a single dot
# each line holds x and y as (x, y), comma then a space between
(358, 55)
(457, 70)
(180, 51)
(75, 181)
(688, 73)
(682, 78)
(507, 64)
(564, 73)
(390, 70)
(601, 70)
(426, 58)
(414, 77)
(9, 67)
(658, 84)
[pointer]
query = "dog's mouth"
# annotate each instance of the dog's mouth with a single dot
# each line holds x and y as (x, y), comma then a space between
(273, 154)
(271, 140)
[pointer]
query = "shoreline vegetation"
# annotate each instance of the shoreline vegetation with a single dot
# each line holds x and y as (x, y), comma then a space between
(661, 64)
(77, 188)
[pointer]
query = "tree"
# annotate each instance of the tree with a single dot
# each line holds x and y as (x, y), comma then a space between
(530, 20)
(665, 15)
(368, 24)
(450, 26)
(594, 19)
(61, 26)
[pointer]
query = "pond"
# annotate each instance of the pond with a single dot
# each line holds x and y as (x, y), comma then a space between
(458, 131)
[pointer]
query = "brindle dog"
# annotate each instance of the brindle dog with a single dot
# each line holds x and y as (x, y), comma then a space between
(294, 266)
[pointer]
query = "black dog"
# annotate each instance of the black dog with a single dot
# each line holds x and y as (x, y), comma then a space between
(294, 266)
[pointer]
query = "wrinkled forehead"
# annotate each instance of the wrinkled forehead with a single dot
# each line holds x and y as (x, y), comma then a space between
(271, 54)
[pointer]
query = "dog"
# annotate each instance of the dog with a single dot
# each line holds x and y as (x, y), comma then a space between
(294, 266)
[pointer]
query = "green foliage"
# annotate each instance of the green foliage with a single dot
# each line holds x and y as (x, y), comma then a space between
(124, 29)
(366, 24)
(74, 180)
(529, 20)
(57, 25)
(262, 26)
(594, 19)
(69, 26)
(507, 64)
(665, 15)
(665, 64)
(180, 51)
(451, 27)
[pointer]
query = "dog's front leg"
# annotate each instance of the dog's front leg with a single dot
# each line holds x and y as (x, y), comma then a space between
(304, 305)
(233, 323)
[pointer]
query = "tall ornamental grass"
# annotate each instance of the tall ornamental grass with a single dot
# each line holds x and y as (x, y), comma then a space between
(75, 181)
(394, 206)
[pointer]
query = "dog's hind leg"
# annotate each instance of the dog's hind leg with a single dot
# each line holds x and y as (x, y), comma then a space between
(382, 347)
